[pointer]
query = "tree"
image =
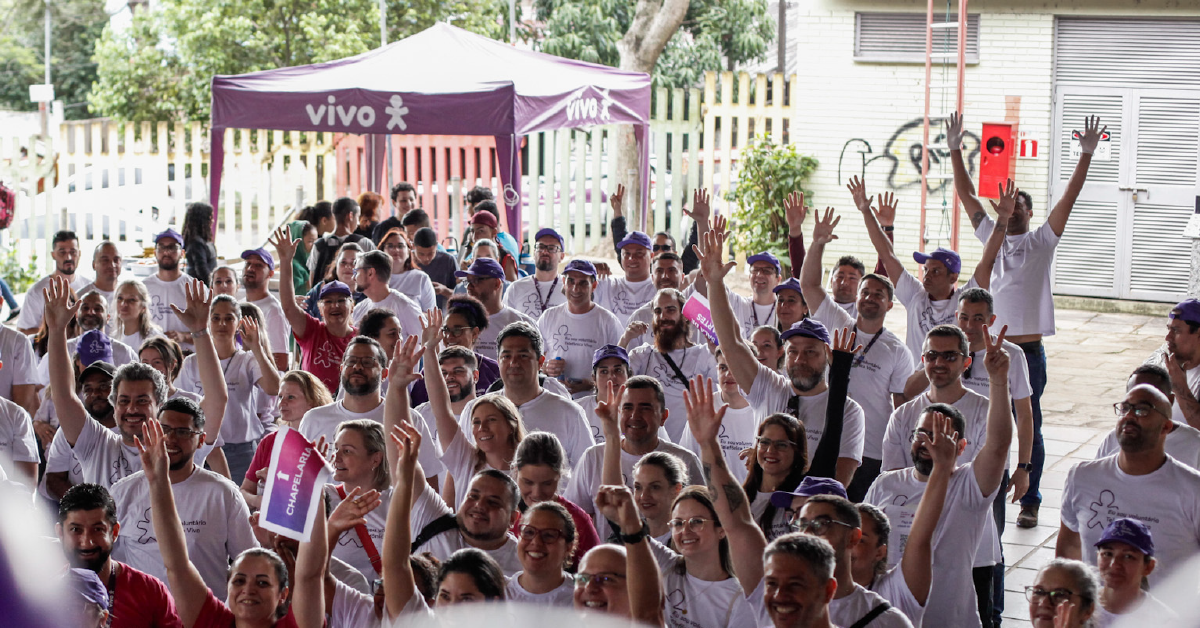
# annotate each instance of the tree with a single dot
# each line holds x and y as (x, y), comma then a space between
(76, 26)
(768, 174)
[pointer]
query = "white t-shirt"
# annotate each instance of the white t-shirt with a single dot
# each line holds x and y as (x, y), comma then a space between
(136, 339)
(109, 297)
(694, 360)
(1018, 373)
(739, 429)
(622, 296)
(103, 457)
(1183, 444)
(951, 599)
(324, 421)
(770, 392)
(1149, 612)
(848, 610)
(923, 312)
(892, 586)
(353, 609)
(17, 442)
(279, 330)
(547, 412)
(215, 522)
(349, 547)
(645, 314)
(1167, 501)
(694, 603)
(458, 458)
(405, 309)
(877, 372)
(60, 458)
(562, 596)
(850, 307)
(415, 285)
(20, 362)
(428, 506)
(33, 310)
(575, 337)
(162, 295)
(532, 298)
(749, 314)
(242, 373)
(485, 344)
(1021, 279)
(779, 524)
(122, 354)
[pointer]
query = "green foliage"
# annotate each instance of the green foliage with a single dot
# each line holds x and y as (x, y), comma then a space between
(767, 175)
(76, 26)
(19, 277)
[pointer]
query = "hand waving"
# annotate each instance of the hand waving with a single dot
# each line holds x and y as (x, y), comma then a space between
(1091, 134)
(152, 447)
(943, 448)
(795, 212)
(353, 510)
(711, 251)
(886, 214)
(408, 444)
(61, 304)
(402, 370)
(823, 232)
(431, 329)
(616, 200)
(858, 192)
(996, 359)
(198, 300)
(954, 131)
(1008, 201)
(843, 340)
(250, 333)
(703, 416)
(284, 245)
(701, 207)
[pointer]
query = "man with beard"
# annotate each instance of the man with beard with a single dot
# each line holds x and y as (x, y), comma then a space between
(460, 369)
(1182, 361)
(803, 392)
(107, 263)
(972, 489)
(576, 329)
(87, 527)
(65, 251)
(1183, 441)
(1141, 482)
(256, 274)
(92, 318)
(371, 275)
(138, 390)
(483, 520)
(673, 359)
(485, 281)
(880, 371)
(535, 294)
(215, 517)
(668, 273)
(166, 287)
(94, 387)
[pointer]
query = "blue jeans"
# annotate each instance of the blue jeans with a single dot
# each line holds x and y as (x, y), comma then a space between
(239, 456)
(6, 292)
(1035, 357)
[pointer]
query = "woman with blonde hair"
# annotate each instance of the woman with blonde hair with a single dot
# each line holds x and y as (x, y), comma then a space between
(360, 470)
(299, 392)
(133, 324)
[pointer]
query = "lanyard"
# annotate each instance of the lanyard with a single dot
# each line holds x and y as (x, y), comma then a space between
(754, 313)
(112, 592)
(543, 304)
(859, 360)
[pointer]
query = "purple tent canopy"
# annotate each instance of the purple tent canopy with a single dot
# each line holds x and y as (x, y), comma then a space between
(441, 81)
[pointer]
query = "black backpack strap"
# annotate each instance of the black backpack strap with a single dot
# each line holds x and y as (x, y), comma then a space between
(870, 617)
(675, 367)
(442, 524)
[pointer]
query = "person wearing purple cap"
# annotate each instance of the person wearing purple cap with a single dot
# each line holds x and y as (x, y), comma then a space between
(1125, 558)
(930, 301)
(485, 281)
(1182, 360)
(623, 295)
(765, 276)
(65, 251)
(610, 363)
(574, 330)
(166, 287)
(882, 368)
(790, 307)
(536, 293)
(371, 275)
(256, 276)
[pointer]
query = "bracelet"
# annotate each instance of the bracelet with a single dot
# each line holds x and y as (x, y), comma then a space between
(889, 229)
(199, 334)
(636, 537)
(1026, 466)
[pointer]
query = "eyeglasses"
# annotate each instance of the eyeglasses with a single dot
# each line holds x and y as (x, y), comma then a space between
(167, 247)
(659, 248)
(694, 524)
(365, 363)
(547, 248)
(455, 332)
(1056, 597)
(920, 431)
(607, 579)
(394, 247)
(1139, 410)
(769, 272)
(179, 432)
(818, 525)
(949, 356)
(779, 445)
(549, 536)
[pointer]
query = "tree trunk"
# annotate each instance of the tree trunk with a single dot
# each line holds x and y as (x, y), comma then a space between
(654, 23)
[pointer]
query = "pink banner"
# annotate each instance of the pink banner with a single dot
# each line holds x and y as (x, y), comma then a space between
(696, 310)
(294, 482)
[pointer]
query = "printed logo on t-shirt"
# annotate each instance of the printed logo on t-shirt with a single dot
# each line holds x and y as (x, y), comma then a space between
(326, 356)
(158, 309)
(1105, 509)
(145, 529)
(622, 303)
(665, 375)
(678, 601)
(120, 469)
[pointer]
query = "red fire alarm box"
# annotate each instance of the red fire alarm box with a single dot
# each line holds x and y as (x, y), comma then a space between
(997, 157)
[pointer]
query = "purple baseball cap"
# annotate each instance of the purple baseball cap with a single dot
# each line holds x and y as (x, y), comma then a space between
(169, 233)
(482, 267)
(951, 259)
(85, 582)
(1187, 311)
(807, 328)
(1131, 532)
(262, 254)
(638, 238)
(809, 487)
(94, 346)
(610, 351)
(791, 283)
(548, 232)
(334, 287)
(580, 266)
(765, 257)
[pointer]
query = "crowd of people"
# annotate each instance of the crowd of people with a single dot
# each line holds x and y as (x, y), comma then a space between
(564, 436)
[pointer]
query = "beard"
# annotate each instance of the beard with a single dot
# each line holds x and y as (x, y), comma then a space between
(369, 386)
(67, 268)
(1142, 440)
(89, 322)
(183, 462)
(92, 564)
(924, 466)
(667, 334)
(545, 265)
(101, 410)
(806, 383)
(463, 392)
(169, 265)
(482, 536)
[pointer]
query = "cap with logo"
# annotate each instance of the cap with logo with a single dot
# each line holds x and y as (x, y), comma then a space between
(1129, 531)
(809, 487)
(260, 253)
(94, 346)
(637, 238)
(951, 259)
(610, 351)
(807, 328)
(482, 267)
(334, 287)
(765, 256)
(580, 266)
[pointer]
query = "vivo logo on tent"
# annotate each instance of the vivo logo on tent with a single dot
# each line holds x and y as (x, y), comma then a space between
(332, 114)
(581, 107)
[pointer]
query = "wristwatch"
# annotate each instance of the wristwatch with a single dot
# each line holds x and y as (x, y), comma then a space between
(1027, 466)
(199, 334)
(636, 537)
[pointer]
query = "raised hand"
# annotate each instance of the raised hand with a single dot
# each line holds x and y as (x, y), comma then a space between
(408, 444)
(954, 131)
(608, 403)
(198, 299)
(616, 504)
(402, 370)
(703, 416)
(152, 447)
(858, 192)
(284, 245)
(943, 448)
(431, 329)
(634, 330)
(795, 212)
(1008, 201)
(353, 510)
(711, 252)
(1064, 614)
(61, 304)
(701, 206)
(996, 359)
(886, 214)
(250, 333)
(823, 232)
(1091, 134)
(843, 340)
(602, 270)
(616, 200)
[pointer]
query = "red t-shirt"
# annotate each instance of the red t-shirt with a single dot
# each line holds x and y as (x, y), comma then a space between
(585, 530)
(215, 614)
(142, 601)
(262, 456)
(322, 352)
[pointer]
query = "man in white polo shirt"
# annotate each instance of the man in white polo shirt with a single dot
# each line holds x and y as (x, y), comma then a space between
(256, 275)
(372, 272)
(574, 330)
(485, 281)
(542, 290)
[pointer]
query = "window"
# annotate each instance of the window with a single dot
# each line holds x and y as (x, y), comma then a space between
(900, 38)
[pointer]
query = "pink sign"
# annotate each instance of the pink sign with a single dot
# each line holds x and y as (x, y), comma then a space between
(294, 482)
(696, 310)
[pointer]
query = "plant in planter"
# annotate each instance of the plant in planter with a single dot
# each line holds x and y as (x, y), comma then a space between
(767, 174)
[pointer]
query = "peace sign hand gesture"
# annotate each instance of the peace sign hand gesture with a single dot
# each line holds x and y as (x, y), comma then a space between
(616, 200)
(607, 402)
(61, 304)
(703, 417)
(198, 299)
(823, 232)
(996, 360)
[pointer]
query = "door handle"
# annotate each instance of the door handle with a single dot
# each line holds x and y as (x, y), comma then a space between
(1135, 191)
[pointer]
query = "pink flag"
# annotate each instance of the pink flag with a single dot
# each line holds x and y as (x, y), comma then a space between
(294, 482)
(696, 310)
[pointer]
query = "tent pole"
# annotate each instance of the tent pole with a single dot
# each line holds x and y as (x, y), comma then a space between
(216, 157)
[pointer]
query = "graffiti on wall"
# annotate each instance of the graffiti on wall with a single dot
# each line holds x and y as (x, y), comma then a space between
(903, 155)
